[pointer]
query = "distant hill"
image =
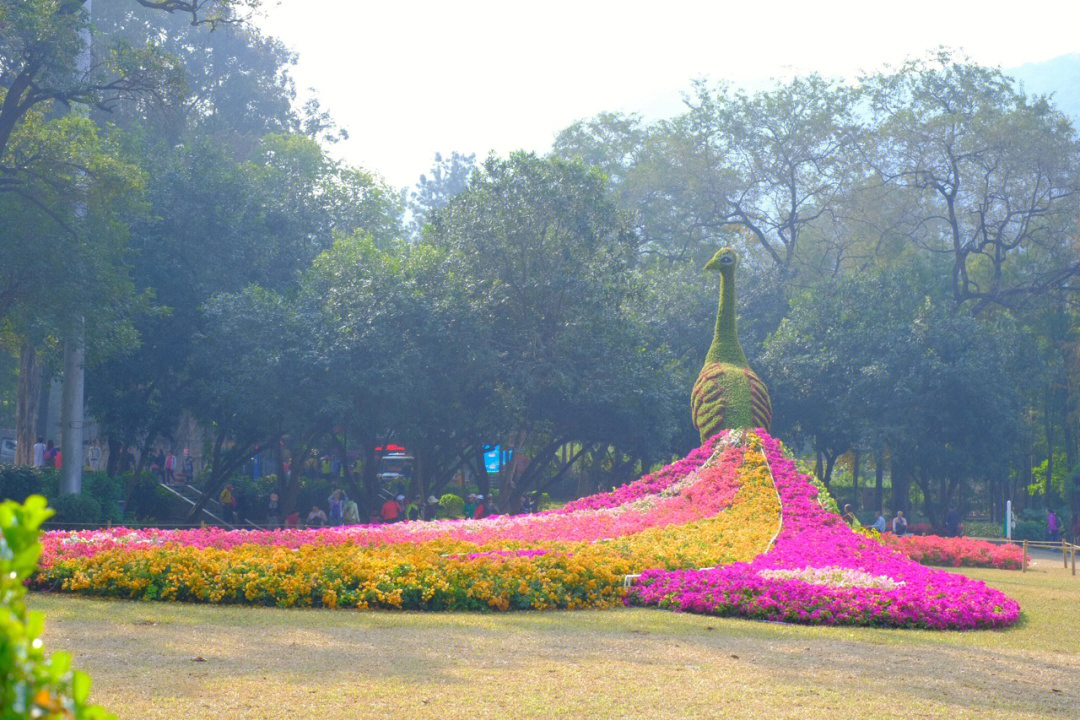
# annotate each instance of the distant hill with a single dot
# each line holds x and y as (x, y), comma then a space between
(1059, 77)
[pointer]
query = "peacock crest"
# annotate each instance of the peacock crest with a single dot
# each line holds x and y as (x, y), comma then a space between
(728, 394)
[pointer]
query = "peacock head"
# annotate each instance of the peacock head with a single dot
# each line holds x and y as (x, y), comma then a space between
(723, 259)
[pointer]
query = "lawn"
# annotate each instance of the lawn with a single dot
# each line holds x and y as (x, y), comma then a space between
(152, 660)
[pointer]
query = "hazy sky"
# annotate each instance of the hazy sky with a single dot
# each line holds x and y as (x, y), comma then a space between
(409, 79)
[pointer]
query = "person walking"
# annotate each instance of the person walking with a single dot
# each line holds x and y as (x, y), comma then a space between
(49, 456)
(1053, 526)
(470, 505)
(189, 466)
(228, 502)
(157, 465)
(273, 511)
(170, 469)
(94, 456)
(480, 510)
(412, 510)
(39, 454)
(431, 510)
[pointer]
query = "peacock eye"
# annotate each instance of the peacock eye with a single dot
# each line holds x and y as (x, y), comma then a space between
(727, 260)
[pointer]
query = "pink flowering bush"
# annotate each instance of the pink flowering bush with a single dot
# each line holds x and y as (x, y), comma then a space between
(777, 585)
(956, 552)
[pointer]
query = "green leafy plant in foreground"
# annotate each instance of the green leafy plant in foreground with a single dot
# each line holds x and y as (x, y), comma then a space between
(31, 685)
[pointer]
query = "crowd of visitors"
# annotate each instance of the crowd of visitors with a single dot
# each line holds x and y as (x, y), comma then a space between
(46, 454)
(1055, 529)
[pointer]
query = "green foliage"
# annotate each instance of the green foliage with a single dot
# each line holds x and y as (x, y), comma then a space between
(865, 360)
(451, 505)
(18, 482)
(81, 509)
(31, 685)
(984, 529)
(149, 501)
(1029, 530)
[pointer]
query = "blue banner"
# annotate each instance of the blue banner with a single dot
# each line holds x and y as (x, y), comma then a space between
(495, 458)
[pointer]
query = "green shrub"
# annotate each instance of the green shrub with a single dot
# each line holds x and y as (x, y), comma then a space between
(81, 509)
(109, 492)
(18, 482)
(30, 685)
(451, 505)
(149, 501)
(984, 528)
(1030, 530)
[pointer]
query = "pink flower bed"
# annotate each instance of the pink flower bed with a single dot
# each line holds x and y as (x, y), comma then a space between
(679, 493)
(956, 552)
(816, 543)
(652, 484)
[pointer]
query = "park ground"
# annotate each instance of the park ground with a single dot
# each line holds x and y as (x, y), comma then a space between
(153, 660)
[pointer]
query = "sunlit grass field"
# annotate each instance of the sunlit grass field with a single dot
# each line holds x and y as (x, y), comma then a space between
(186, 661)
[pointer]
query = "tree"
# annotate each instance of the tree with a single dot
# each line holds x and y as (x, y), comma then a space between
(449, 176)
(283, 209)
(880, 362)
(659, 178)
(51, 269)
(545, 259)
(780, 160)
(993, 177)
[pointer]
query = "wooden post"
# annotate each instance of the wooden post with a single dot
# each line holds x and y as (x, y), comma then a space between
(1064, 553)
(1023, 563)
(1074, 560)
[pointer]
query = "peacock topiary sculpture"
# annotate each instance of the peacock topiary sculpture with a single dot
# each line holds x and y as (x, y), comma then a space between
(728, 394)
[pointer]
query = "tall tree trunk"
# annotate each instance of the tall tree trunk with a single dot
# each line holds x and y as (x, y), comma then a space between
(129, 490)
(1049, 426)
(112, 465)
(369, 477)
(41, 426)
(830, 461)
(26, 404)
(879, 480)
(856, 457)
(900, 494)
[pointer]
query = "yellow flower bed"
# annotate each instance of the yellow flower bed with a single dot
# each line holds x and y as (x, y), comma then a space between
(433, 575)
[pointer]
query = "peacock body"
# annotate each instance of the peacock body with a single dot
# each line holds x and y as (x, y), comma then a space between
(728, 394)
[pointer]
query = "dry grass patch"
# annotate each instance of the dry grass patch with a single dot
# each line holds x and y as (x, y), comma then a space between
(184, 661)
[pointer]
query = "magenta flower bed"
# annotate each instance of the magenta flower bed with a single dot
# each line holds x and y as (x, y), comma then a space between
(649, 484)
(813, 542)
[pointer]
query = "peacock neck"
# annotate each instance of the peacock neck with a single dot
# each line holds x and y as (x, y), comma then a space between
(725, 346)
